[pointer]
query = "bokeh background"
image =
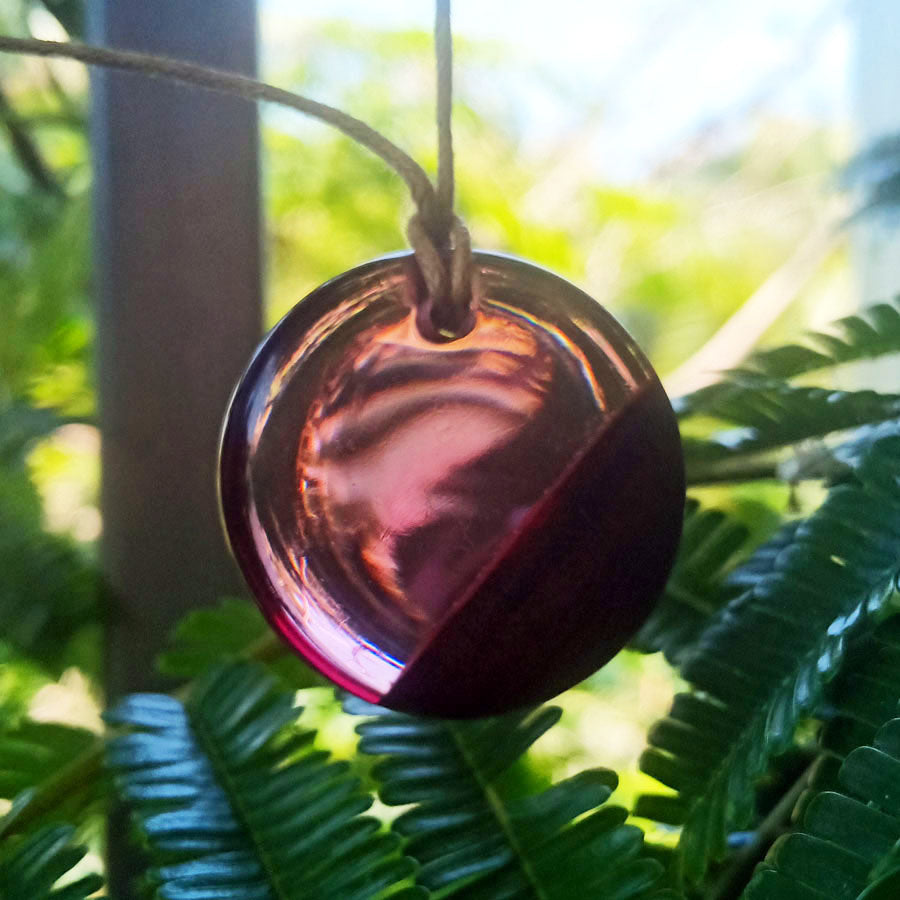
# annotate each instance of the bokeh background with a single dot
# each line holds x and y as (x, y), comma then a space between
(680, 160)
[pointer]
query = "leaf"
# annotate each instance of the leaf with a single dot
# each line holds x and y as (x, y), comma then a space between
(205, 637)
(775, 414)
(709, 543)
(34, 751)
(31, 867)
(474, 841)
(48, 589)
(762, 663)
(235, 629)
(846, 844)
(772, 414)
(873, 333)
(234, 802)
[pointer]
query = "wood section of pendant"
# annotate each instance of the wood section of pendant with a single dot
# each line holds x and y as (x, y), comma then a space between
(457, 528)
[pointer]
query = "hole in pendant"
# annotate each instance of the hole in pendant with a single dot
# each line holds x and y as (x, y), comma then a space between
(442, 329)
(441, 322)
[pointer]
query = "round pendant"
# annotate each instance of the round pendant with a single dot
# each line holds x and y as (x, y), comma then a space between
(458, 528)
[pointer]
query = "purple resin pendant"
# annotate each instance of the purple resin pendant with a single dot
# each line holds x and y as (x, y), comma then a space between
(459, 528)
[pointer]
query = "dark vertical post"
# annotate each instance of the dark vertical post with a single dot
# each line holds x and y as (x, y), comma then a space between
(177, 262)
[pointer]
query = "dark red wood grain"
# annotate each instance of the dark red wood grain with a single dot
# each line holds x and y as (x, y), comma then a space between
(577, 582)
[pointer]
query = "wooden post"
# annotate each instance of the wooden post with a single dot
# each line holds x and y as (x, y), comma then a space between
(177, 268)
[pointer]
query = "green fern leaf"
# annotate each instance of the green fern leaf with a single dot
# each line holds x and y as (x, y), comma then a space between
(31, 867)
(772, 416)
(865, 695)
(775, 414)
(874, 333)
(234, 803)
(472, 841)
(847, 845)
(710, 541)
(762, 663)
(205, 637)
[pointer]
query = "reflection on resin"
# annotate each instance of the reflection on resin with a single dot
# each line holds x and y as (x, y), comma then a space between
(419, 458)
(380, 489)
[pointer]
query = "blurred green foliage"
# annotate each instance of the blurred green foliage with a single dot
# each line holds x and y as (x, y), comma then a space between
(673, 256)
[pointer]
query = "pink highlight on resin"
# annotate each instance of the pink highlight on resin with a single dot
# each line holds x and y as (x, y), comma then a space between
(377, 487)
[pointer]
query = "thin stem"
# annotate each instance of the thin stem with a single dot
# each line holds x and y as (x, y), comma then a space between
(736, 877)
(497, 807)
(744, 467)
(246, 88)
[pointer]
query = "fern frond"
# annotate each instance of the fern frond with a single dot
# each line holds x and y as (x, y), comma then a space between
(772, 416)
(847, 842)
(775, 414)
(31, 867)
(710, 541)
(762, 662)
(234, 803)
(473, 841)
(874, 332)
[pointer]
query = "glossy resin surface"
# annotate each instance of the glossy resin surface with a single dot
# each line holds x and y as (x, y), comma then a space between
(452, 528)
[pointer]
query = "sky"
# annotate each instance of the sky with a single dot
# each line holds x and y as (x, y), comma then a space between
(657, 73)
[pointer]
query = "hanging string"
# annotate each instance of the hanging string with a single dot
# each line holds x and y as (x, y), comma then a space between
(442, 245)
(438, 238)
(443, 49)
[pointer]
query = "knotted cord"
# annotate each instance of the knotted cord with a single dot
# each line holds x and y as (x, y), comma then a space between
(437, 236)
